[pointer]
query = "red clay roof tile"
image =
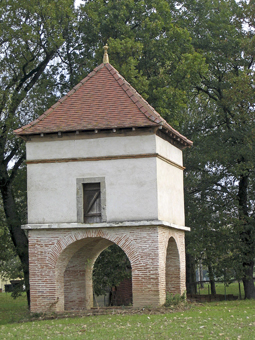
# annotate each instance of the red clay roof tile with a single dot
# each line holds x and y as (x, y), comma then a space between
(102, 100)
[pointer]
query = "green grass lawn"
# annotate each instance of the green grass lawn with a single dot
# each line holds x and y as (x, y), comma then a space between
(223, 320)
(232, 288)
(12, 310)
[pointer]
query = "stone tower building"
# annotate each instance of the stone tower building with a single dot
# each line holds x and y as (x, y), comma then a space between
(103, 167)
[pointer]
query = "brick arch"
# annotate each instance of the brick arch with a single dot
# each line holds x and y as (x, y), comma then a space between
(74, 256)
(148, 250)
(78, 292)
(127, 244)
(173, 271)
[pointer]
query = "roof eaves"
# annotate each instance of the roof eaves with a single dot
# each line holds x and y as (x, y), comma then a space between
(177, 134)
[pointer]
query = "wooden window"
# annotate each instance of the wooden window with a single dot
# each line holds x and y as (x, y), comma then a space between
(92, 203)
(91, 199)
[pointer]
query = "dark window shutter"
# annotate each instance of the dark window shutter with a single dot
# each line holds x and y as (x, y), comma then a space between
(92, 202)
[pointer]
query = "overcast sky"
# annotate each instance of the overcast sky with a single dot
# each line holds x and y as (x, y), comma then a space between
(78, 2)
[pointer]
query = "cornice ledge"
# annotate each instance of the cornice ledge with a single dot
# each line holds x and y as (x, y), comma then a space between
(142, 223)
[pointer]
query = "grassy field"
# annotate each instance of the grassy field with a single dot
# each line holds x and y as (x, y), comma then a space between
(222, 320)
(233, 288)
(12, 310)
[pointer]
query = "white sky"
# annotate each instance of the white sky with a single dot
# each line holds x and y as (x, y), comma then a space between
(78, 2)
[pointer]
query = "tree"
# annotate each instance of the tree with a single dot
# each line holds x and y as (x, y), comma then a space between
(10, 266)
(31, 35)
(110, 269)
(145, 45)
(221, 166)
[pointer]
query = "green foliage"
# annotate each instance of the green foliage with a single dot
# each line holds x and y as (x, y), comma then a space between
(110, 269)
(147, 47)
(174, 300)
(10, 265)
(220, 168)
(18, 289)
(31, 35)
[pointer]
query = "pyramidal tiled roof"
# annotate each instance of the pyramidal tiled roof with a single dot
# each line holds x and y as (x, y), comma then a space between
(102, 100)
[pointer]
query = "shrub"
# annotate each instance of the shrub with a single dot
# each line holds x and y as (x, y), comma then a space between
(173, 300)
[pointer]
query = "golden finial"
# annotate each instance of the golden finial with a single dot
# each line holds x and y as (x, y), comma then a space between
(105, 58)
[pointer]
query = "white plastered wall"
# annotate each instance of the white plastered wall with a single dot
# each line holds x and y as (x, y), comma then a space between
(131, 189)
(136, 188)
(94, 147)
(169, 151)
(170, 184)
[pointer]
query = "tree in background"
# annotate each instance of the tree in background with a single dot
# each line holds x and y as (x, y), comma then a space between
(110, 269)
(220, 168)
(10, 265)
(147, 47)
(31, 34)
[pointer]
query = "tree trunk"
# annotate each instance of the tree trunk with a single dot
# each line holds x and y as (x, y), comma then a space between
(246, 238)
(211, 278)
(201, 272)
(18, 235)
(249, 291)
(190, 274)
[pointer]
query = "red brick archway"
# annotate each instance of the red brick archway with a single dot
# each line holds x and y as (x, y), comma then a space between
(61, 263)
(173, 278)
(78, 285)
(74, 268)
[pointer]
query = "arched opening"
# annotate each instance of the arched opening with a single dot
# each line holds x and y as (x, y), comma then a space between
(173, 275)
(74, 272)
(112, 278)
